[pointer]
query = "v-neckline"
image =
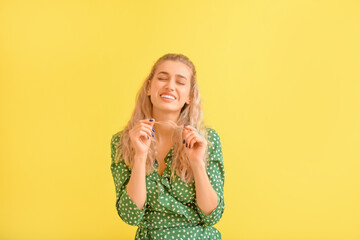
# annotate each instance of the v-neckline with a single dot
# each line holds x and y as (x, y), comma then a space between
(166, 162)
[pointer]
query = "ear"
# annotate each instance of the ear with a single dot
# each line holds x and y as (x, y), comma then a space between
(148, 89)
(188, 101)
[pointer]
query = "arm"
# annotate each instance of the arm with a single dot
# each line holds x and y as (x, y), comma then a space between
(127, 209)
(209, 184)
(206, 197)
(136, 188)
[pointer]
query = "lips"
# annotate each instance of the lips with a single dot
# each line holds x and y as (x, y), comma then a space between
(166, 93)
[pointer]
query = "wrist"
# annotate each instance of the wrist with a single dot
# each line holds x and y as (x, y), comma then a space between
(140, 158)
(199, 166)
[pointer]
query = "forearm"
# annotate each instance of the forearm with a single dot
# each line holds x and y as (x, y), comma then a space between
(206, 196)
(136, 188)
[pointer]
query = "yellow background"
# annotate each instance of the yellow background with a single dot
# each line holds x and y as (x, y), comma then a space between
(279, 80)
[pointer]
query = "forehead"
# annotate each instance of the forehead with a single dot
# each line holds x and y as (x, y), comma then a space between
(174, 68)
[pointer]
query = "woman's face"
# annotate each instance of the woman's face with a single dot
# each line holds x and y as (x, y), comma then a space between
(171, 79)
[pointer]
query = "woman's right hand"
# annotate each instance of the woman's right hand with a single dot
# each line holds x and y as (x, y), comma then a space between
(140, 136)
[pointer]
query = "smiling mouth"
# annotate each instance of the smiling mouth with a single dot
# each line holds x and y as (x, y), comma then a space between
(164, 96)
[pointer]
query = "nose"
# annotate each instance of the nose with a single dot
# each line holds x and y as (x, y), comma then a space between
(170, 85)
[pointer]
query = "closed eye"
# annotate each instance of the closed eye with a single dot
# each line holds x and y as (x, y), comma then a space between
(166, 79)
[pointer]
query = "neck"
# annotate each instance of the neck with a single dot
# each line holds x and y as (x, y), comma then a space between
(163, 132)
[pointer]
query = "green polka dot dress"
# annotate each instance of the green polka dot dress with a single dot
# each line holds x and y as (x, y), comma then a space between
(171, 211)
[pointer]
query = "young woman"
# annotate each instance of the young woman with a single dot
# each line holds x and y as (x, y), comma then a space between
(166, 164)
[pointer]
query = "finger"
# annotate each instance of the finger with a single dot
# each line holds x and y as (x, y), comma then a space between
(148, 124)
(189, 127)
(149, 127)
(147, 121)
(149, 130)
(144, 130)
(193, 138)
(186, 135)
(144, 134)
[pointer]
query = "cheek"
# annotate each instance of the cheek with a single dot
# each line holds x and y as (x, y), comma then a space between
(154, 89)
(185, 94)
(182, 96)
(158, 86)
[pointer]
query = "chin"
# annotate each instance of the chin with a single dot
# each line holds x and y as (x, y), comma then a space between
(172, 108)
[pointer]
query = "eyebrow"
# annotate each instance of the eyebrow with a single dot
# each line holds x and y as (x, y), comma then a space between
(179, 75)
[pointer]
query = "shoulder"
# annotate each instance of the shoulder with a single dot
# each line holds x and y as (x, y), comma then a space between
(116, 143)
(214, 143)
(213, 136)
(214, 147)
(115, 138)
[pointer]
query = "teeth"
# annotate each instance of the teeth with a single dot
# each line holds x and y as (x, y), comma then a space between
(167, 96)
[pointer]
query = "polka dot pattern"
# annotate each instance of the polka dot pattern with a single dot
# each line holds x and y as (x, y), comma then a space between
(171, 210)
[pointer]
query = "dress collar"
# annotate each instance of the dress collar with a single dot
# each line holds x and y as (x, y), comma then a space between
(165, 178)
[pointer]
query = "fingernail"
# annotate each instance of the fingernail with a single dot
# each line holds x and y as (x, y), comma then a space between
(152, 135)
(185, 124)
(151, 120)
(186, 144)
(189, 146)
(148, 137)
(153, 130)
(183, 141)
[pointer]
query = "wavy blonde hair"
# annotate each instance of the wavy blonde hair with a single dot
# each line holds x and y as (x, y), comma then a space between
(190, 114)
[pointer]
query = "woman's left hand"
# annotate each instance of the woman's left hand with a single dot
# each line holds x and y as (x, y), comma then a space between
(196, 146)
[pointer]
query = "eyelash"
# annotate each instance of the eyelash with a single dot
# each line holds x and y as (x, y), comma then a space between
(165, 79)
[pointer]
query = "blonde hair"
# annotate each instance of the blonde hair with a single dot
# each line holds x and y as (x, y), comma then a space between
(190, 114)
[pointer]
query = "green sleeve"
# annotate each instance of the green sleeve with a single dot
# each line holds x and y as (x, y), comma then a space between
(216, 173)
(126, 208)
